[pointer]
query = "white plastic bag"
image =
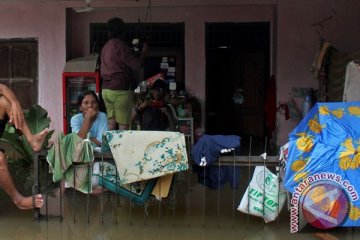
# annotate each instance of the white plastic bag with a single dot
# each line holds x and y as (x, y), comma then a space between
(264, 197)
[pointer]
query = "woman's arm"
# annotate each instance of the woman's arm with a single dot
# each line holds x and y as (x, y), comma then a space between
(101, 128)
(89, 118)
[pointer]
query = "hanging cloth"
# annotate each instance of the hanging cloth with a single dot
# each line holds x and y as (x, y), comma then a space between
(142, 155)
(68, 158)
(270, 106)
(352, 82)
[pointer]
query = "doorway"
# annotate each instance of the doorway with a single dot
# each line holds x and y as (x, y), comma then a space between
(237, 71)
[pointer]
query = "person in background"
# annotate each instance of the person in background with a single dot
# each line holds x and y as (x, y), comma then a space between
(11, 111)
(152, 111)
(117, 66)
(90, 123)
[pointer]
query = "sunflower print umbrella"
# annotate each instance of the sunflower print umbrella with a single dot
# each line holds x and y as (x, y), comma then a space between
(325, 149)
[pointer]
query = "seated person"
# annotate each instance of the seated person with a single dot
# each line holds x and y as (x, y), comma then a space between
(90, 120)
(90, 123)
(152, 111)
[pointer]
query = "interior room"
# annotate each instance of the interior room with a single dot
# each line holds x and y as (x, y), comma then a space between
(247, 64)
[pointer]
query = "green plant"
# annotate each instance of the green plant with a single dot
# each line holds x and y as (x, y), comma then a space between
(37, 119)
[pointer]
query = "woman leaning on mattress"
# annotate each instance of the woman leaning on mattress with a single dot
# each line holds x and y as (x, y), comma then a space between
(90, 123)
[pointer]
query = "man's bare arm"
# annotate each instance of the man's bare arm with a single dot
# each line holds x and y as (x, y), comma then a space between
(16, 114)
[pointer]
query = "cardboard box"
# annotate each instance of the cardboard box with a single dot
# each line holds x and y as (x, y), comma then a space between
(83, 64)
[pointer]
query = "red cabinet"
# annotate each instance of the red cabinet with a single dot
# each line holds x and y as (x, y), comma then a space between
(73, 84)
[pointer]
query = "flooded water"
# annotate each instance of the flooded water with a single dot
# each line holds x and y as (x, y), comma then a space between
(191, 211)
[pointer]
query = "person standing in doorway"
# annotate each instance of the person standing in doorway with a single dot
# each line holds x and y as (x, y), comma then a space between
(117, 66)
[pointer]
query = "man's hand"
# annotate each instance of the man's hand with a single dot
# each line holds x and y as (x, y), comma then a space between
(16, 116)
(143, 105)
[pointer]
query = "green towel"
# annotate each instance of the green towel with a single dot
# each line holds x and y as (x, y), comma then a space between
(68, 157)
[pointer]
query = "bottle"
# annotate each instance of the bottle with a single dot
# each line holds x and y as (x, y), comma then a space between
(306, 105)
(180, 111)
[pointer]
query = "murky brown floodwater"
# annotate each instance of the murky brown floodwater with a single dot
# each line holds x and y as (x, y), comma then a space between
(190, 212)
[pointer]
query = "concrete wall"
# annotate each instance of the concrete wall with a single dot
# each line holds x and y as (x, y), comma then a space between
(294, 39)
(297, 43)
(46, 23)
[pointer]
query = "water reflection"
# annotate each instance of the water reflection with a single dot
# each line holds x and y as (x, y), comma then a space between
(190, 212)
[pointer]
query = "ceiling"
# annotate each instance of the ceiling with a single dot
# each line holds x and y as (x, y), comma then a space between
(90, 5)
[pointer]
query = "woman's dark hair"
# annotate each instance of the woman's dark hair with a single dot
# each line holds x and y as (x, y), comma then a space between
(83, 94)
(115, 27)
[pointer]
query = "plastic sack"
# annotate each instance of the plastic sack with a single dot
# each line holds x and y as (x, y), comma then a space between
(264, 197)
